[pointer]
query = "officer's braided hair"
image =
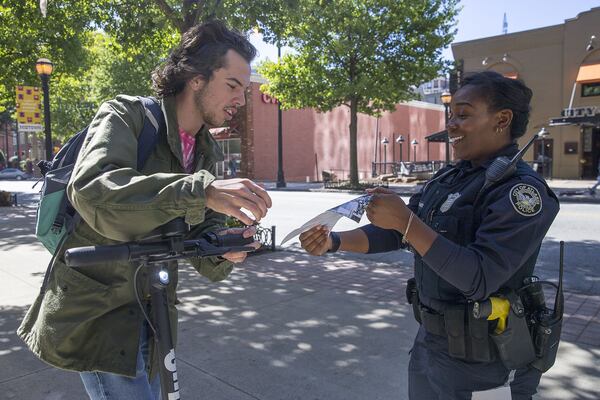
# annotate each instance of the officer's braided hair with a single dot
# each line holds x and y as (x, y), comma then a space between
(503, 93)
(201, 51)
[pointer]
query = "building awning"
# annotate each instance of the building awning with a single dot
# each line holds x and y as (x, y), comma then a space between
(441, 136)
(589, 73)
(581, 121)
(224, 132)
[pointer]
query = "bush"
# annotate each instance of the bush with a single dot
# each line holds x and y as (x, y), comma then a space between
(5, 199)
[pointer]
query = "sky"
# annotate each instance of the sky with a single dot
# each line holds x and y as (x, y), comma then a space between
(483, 18)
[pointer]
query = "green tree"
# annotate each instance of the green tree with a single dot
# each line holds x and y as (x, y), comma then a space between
(102, 48)
(363, 54)
(134, 22)
(26, 36)
(71, 106)
(118, 70)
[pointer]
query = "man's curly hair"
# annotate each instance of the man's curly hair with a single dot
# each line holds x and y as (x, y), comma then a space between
(201, 51)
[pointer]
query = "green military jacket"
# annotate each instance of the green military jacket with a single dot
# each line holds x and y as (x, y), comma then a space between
(87, 319)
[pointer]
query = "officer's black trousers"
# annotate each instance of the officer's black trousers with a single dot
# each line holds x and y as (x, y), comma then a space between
(434, 375)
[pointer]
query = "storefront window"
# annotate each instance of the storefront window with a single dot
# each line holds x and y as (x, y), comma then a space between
(591, 152)
(590, 89)
(232, 149)
(587, 140)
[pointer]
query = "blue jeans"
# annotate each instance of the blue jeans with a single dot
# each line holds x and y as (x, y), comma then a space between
(106, 386)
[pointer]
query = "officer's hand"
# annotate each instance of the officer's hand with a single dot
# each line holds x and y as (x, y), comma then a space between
(229, 196)
(239, 256)
(316, 240)
(387, 210)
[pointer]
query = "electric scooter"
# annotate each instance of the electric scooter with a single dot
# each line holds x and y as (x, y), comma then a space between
(164, 245)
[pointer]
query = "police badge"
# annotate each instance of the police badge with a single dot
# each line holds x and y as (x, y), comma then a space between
(452, 197)
(525, 199)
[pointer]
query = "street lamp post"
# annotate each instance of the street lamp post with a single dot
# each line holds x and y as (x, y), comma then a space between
(543, 134)
(280, 178)
(393, 148)
(446, 99)
(400, 140)
(44, 67)
(414, 142)
(6, 121)
(385, 142)
(6, 128)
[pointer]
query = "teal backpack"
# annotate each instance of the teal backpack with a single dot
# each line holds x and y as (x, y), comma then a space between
(56, 217)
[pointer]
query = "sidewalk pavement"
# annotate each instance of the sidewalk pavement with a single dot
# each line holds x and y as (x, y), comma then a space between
(285, 325)
(568, 191)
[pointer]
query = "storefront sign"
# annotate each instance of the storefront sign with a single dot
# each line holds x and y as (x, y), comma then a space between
(268, 99)
(580, 112)
(583, 116)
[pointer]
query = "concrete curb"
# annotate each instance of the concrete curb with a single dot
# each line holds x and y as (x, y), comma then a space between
(28, 198)
(582, 200)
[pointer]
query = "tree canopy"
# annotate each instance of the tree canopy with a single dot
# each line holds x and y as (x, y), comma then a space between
(26, 36)
(100, 48)
(366, 55)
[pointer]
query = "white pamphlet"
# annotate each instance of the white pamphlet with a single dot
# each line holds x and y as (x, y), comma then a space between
(353, 209)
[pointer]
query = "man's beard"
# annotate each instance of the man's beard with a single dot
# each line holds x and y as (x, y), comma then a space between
(201, 102)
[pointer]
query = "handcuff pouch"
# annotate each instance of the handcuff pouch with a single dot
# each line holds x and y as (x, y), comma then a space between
(454, 321)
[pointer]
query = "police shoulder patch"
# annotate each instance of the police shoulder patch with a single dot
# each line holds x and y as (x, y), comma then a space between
(525, 199)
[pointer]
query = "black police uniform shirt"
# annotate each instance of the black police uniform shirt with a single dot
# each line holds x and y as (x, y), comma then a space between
(480, 247)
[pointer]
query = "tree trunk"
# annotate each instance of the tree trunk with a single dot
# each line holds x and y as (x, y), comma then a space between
(353, 143)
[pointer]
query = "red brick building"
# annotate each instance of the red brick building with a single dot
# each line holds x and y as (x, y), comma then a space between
(313, 141)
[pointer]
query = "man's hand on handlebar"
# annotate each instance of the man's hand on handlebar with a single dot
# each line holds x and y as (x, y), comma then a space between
(231, 195)
(239, 256)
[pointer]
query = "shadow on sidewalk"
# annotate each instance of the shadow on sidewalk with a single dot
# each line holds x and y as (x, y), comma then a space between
(289, 326)
(580, 277)
(17, 227)
(22, 375)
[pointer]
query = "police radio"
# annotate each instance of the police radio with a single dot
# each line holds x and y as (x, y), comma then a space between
(545, 323)
(503, 167)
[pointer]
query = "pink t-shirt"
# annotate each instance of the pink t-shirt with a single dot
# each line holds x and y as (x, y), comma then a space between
(188, 145)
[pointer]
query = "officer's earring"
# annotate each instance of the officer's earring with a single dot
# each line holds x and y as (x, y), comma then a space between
(504, 119)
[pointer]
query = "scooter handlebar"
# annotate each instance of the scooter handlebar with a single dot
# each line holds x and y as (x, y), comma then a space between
(211, 244)
(228, 239)
(90, 255)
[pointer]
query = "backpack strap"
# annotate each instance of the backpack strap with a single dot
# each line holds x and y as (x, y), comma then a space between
(154, 122)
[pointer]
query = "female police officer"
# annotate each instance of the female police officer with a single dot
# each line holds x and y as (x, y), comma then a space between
(470, 240)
